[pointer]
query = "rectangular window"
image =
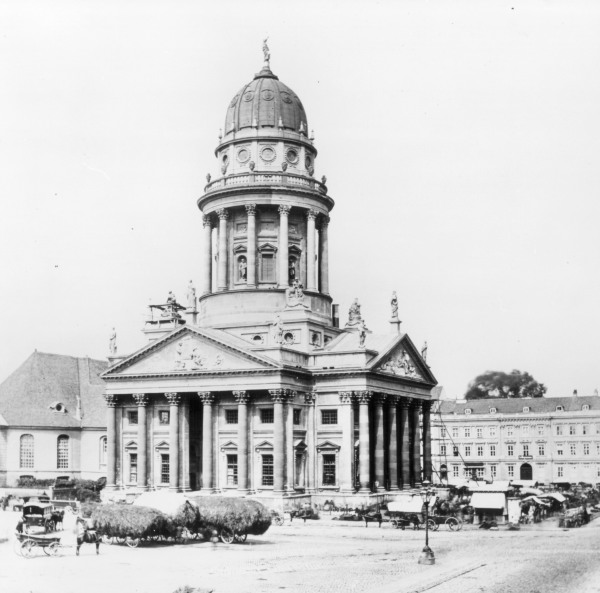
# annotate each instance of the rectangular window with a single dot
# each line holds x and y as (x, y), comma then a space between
(297, 416)
(597, 448)
(511, 471)
(525, 450)
(467, 450)
(493, 471)
(492, 431)
(455, 451)
(455, 432)
(541, 450)
(163, 417)
(328, 470)
(560, 450)
(328, 416)
(467, 432)
(480, 472)
(443, 450)
(586, 448)
(232, 470)
(510, 431)
(164, 468)
(510, 450)
(492, 450)
(560, 471)
(540, 429)
(231, 416)
(132, 416)
(597, 428)
(559, 429)
(573, 449)
(62, 453)
(479, 450)
(525, 429)
(133, 468)
(585, 429)
(267, 268)
(479, 432)
(572, 429)
(26, 453)
(266, 415)
(456, 471)
(267, 470)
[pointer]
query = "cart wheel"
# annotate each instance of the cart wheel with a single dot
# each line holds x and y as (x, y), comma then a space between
(227, 536)
(120, 540)
(453, 524)
(240, 538)
(52, 549)
(107, 539)
(433, 526)
(133, 542)
(27, 548)
(277, 520)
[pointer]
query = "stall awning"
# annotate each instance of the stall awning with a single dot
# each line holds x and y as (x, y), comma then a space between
(555, 495)
(488, 500)
(412, 504)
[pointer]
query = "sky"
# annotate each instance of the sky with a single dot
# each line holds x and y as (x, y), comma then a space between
(460, 140)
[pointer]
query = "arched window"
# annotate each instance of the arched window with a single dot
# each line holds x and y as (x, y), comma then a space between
(62, 452)
(26, 451)
(103, 450)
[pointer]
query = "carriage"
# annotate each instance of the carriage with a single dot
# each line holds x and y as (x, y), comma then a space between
(38, 514)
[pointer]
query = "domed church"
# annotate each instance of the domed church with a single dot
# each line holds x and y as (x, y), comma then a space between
(252, 385)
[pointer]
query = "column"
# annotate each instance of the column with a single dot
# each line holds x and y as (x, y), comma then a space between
(324, 255)
(347, 450)
(416, 460)
(289, 441)
(427, 470)
(206, 278)
(405, 443)
(207, 449)
(393, 446)
(278, 397)
(242, 398)
(173, 399)
(184, 445)
(222, 269)
(364, 440)
(283, 247)
(111, 442)
(141, 399)
(311, 278)
(251, 246)
(310, 397)
(379, 441)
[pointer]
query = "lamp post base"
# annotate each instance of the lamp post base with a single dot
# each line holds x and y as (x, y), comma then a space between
(427, 556)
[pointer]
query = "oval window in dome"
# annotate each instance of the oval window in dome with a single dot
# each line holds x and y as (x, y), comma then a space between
(243, 155)
(248, 96)
(267, 154)
(292, 155)
(268, 95)
(285, 97)
(225, 159)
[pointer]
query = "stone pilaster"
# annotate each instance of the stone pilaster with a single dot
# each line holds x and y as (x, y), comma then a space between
(347, 449)
(416, 446)
(379, 433)
(311, 277)
(174, 399)
(278, 396)
(310, 397)
(324, 255)
(141, 399)
(184, 444)
(207, 256)
(207, 440)
(251, 247)
(242, 398)
(364, 397)
(222, 267)
(283, 254)
(427, 468)
(289, 441)
(405, 463)
(111, 442)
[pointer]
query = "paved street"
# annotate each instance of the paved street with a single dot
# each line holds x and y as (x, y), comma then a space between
(326, 557)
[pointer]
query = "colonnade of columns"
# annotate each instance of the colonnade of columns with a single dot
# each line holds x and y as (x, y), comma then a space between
(312, 282)
(389, 435)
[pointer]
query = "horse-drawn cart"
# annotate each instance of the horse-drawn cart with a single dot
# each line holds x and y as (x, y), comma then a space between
(38, 514)
(26, 544)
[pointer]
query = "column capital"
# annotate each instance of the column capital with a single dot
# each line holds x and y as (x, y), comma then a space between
(284, 209)
(393, 400)
(380, 398)
(207, 397)
(324, 222)
(311, 214)
(173, 398)
(278, 395)
(241, 397)
(346, 397)
(111, 400)
(426, 405)
(310, 397)
(416, 404)
(141, 399)
(363, 397)
(405, 402)
(222, 213)
(206, 220)
(250, 209)
(291, 394)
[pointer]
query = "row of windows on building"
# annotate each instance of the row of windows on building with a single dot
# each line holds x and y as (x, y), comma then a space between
(231, 416)
(527, 409)
(527, 450)
(27, 451)
(479, 472)
(524, 429)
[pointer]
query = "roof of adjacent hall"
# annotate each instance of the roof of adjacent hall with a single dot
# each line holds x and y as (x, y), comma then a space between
(536, 405)
(43, 380)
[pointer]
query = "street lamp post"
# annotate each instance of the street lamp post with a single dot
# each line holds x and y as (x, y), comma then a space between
(427, 556)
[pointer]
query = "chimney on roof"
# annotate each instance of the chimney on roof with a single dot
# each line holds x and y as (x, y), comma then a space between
(574, 392)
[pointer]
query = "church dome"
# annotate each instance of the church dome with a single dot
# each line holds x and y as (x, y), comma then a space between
(266, 102)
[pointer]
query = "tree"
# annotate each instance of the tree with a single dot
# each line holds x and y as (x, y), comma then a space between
(504, 385)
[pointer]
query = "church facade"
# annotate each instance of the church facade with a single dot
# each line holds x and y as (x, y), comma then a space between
(252, 386)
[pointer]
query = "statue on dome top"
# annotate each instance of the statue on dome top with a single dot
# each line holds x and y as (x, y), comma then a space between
(394, 305)
(112, 344)
(191, 296)
(266, 52)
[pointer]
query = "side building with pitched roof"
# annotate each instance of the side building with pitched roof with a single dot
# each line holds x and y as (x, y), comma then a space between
(546, 439)
(53, 419)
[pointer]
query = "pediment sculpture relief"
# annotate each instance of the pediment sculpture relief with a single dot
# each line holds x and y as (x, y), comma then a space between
(401, 364)
(190, 356)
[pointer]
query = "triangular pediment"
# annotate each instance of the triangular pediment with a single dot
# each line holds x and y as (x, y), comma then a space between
(327, 445)
(189, 350)
(403, 360)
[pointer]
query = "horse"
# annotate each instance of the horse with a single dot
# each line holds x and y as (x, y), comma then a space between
(57, 518)
(87, 535)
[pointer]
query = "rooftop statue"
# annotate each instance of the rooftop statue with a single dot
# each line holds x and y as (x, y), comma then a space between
(112, 344)
(362, 333)
(266, 52)
(191, 296)
(394, 305)
(424, 351)
(354, 315)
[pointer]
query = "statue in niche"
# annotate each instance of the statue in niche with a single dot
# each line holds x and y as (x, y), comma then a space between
(354, 315)
(292, 270)
(278, 329)
(362, 333)
(112, 343)
(191, 296)
(394, 305)
(243, 269)
(424, 351)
